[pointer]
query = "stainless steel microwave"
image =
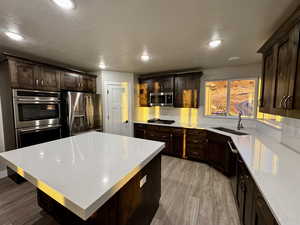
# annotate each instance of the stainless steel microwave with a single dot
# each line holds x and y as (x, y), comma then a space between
(161, 99)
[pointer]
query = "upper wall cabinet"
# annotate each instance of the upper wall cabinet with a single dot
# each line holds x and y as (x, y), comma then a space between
(187, 91)
(281, 74)
(22, 74)
(48, 79)
(25, 74)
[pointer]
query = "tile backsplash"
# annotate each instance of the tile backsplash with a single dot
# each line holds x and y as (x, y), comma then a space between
(291, 133)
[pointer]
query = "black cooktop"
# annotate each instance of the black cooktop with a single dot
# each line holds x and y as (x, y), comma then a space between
(161, 121)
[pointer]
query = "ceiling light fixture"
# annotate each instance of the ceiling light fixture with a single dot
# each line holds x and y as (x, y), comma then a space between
(14, 36)
(102, 66)
(65, 4)
(234, 58)
(145, 58)
(215, 43)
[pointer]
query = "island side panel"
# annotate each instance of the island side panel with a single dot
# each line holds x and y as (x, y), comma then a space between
(134, 204)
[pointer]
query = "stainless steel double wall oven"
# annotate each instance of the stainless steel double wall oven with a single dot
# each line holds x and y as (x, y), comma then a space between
(37, 116)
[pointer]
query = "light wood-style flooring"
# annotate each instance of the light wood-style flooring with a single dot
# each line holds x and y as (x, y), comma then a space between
(192, 194)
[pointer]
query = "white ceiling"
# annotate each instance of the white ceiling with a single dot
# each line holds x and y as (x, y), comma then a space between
(174, 32)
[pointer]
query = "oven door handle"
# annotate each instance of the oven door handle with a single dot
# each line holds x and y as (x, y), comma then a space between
(36, 129)
(37, 101)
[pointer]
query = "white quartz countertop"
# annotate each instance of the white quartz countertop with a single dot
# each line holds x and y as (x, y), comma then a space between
(84, 171)
(274, 167)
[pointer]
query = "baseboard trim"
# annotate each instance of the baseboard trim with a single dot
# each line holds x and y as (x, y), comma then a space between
(3, 173)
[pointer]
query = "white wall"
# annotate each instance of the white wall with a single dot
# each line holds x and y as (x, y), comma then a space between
(111, 76)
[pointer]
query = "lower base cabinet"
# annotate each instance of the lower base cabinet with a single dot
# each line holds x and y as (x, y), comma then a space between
(252, 208)
(172, 137)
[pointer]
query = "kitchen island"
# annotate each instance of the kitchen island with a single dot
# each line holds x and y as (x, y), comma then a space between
(93, 178)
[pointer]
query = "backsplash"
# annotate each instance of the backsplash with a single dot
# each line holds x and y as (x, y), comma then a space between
(291, 133)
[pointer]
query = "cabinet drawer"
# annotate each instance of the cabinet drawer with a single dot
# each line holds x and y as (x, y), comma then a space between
(140, 126)
(196, 139)
(165, 129)
(198, 132)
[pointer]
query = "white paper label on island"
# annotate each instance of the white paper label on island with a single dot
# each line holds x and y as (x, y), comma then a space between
(143, 181)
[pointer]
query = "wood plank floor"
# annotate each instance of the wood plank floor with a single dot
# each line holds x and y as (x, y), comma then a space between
(192, 194)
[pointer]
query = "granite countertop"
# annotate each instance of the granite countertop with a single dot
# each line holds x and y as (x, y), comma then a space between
(274, 167)
(84, 171)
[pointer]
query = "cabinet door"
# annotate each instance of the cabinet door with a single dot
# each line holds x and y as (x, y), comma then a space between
(187, 88)
(262, 213)
(266, 85)
(177, 140)
(70, 81)
(196, 144)
(293, 100)
(88, 84)
(165, 84)
(282, 76)
(144, 92)
(49, 79)
(139, 131)
(23, 74)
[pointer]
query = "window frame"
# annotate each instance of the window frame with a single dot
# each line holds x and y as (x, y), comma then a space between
(228, 98)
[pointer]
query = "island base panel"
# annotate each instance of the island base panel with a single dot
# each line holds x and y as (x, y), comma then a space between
(131, 205)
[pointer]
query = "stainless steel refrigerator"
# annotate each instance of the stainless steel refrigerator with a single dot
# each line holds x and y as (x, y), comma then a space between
(81, 112)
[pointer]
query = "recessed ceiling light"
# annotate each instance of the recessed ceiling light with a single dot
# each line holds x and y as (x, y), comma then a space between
(102, 66)
(145, 58)
(215, 43)
(14, 36)
(234, 58)
(65, 4)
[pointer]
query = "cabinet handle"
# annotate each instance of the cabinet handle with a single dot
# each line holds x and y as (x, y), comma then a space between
(281, 102)
(234, 151)
(42, 82)
(37, 82)
(287, 101)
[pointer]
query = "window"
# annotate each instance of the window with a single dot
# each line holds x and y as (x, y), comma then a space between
(229, 97)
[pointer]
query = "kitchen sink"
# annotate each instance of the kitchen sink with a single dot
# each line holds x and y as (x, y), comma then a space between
(229, 131)
(161, 121)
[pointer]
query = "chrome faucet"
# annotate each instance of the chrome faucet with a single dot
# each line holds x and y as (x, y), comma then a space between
(240, 125)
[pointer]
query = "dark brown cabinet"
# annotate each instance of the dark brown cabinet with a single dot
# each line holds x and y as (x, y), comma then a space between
(70, 81)
(185, 87)
(172, 137)
(196, 144)
(88, 83)
(27, 74)
(187, 91)
(280, 79)
(162, 84)
(261, 212)
(219, 154)
(267, 77)
(23, 74)
(245, 193)
(48, 79)
(252, 207)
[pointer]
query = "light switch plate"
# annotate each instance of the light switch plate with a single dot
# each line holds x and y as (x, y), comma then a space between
(143, 181)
